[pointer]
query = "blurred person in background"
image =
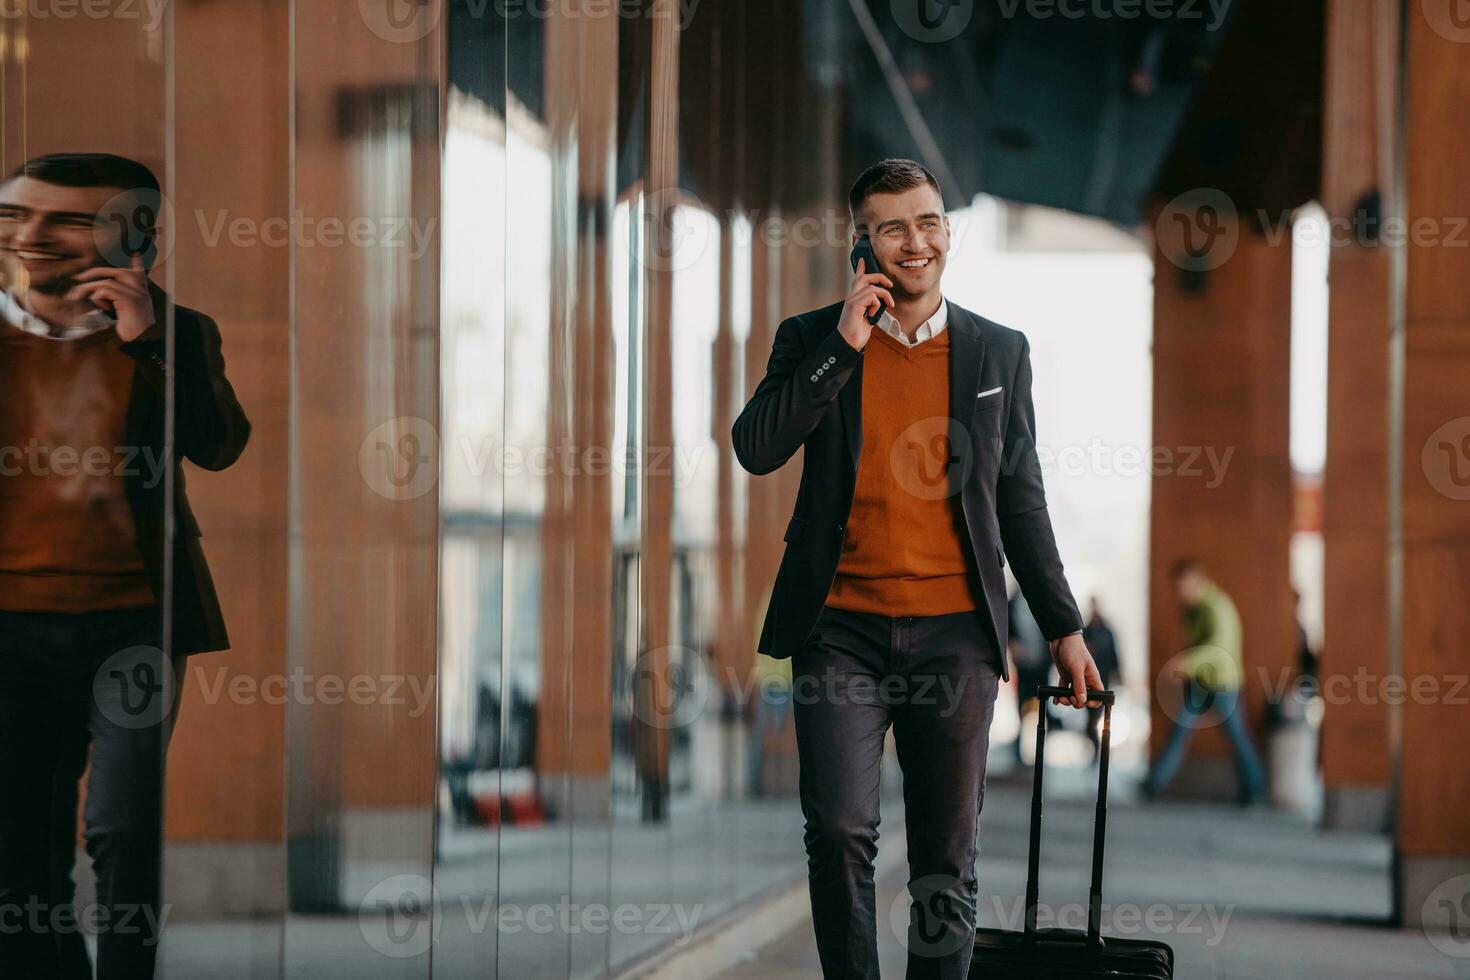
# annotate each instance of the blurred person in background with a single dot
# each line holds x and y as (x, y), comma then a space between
(1211, 673)
(1032, 661)
(1102, 643)
(84, 472)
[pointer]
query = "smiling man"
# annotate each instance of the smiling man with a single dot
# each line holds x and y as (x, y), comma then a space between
(83, 461)
(920, 477)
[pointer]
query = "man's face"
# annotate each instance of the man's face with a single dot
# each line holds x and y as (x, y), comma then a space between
(52, 232)
(910, 235)
(1190, 586)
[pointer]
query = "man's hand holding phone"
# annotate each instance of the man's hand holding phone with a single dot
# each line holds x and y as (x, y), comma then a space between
(868, 290)
(123, 293)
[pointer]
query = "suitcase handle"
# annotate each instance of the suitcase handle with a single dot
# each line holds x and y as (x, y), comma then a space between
(1099, 830)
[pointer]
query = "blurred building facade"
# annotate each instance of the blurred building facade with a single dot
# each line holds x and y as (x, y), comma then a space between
(494, 283)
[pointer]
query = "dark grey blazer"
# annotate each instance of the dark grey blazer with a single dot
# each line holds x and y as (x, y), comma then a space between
(995, 470)
(210, 430)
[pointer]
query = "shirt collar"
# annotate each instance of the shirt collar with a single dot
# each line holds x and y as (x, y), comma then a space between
(21, 318)
(928, 330)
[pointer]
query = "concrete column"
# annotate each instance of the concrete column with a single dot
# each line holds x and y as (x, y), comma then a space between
(1222, 485)
(1357, 173)
(1432, 516)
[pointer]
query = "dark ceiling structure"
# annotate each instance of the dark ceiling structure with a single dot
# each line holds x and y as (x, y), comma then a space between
(1092, 106)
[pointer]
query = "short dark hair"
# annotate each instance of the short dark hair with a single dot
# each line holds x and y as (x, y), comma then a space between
(890, 176)
(1183, 567)
(88, 170)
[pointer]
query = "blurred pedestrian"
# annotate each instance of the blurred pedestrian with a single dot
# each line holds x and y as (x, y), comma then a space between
(1211, 672)
(1098, 634)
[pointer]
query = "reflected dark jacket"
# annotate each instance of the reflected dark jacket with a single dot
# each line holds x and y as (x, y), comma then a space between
(811, 397)
(210, 430)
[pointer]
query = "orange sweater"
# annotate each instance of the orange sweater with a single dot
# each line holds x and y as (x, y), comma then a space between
(904, 552)
(67, 541)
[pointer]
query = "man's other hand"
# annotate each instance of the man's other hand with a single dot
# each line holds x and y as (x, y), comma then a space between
(1077, 670)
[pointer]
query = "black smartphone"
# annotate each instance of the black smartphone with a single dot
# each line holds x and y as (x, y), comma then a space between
(864, 250)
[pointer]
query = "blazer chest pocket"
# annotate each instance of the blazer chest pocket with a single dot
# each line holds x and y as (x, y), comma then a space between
(795, 529)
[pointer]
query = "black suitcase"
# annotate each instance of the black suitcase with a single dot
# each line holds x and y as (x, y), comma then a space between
(1065, 954)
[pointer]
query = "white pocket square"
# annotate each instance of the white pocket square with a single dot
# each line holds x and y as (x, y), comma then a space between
(992, 391)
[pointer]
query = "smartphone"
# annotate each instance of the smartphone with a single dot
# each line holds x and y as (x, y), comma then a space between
(864, 250)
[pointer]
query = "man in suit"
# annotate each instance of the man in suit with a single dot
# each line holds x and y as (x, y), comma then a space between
(920, 478)
(85, 470)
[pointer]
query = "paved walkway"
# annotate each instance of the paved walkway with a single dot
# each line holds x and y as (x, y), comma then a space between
(1237, 894)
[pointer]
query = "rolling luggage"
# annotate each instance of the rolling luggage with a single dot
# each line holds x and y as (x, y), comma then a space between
(1066, 954)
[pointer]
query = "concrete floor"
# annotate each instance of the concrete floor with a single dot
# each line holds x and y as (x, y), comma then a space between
(1236, 893)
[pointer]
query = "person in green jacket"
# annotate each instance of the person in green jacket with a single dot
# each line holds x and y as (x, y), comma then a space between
(1211, 673)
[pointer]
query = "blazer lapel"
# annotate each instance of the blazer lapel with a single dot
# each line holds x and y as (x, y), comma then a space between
(966, 355)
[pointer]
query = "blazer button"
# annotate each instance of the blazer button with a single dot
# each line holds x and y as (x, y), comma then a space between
(814, 377)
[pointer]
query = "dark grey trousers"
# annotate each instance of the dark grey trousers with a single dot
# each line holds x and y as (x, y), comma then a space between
(934, 679)
(76, 688)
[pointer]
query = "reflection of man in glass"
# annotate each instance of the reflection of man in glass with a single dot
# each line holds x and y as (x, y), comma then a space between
(920, 473)
(83, 474)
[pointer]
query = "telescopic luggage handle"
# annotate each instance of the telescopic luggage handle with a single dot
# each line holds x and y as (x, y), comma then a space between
(1099, 831)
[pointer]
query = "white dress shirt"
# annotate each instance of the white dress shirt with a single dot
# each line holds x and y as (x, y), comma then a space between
(928, 330)
(13, 313)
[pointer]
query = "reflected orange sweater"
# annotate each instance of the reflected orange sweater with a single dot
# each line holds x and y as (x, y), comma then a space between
(904, 553)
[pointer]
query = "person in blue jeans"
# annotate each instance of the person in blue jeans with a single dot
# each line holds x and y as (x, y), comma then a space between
(1211, 673)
